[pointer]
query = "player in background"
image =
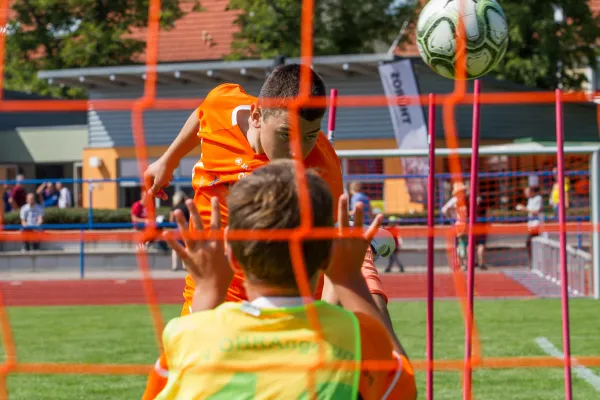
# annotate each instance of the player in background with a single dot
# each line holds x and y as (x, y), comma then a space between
(456, 208)
(273, 328)
(238, 133)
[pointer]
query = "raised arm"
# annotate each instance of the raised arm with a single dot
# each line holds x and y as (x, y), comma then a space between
(160, 173)
(345, 273)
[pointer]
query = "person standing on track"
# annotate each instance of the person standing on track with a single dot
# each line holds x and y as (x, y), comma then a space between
(534, 215)
(456, 209)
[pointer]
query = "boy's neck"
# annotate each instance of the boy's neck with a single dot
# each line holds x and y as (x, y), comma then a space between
(256, 290)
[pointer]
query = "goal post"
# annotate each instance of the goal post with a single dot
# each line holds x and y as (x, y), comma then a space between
(595, 219)
(591, 172)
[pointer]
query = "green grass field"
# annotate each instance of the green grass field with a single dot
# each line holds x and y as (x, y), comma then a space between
(123, 334)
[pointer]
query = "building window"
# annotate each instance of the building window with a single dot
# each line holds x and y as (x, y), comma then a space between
(373, 187)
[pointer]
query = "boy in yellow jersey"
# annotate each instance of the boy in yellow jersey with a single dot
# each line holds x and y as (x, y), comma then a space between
(264, 348)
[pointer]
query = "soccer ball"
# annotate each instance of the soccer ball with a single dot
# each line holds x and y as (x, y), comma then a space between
(486, 35)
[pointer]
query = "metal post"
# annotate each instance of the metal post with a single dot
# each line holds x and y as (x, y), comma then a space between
(579, 235)
(430, 248)
(441, 199)
(90, 206)
(81, 256)
(595, 219)
(472, 220)
(562, 217)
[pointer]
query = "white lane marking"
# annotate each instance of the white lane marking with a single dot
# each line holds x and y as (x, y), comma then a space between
(582, 372)
(120, 281)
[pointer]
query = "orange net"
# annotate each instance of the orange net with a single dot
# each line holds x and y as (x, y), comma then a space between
(149, 101)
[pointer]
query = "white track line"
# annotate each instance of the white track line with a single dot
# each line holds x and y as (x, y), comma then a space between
(582, 372)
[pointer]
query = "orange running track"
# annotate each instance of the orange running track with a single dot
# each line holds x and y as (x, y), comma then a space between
(169, 291)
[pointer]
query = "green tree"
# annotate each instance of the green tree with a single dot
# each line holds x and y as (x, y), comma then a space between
(543, 53)
(272, 27)
(55, 34)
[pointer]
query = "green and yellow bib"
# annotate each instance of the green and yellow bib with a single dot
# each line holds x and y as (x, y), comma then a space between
(238, 351)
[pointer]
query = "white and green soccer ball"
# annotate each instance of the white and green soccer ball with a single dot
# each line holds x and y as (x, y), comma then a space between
(486, 35)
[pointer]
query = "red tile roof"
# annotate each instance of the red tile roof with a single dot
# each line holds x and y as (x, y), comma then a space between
(204, 35)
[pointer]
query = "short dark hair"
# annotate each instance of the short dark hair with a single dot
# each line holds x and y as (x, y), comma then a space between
(268, 200)
(284, 84)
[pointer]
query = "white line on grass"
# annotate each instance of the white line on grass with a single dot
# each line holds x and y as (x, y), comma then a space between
(582, 372)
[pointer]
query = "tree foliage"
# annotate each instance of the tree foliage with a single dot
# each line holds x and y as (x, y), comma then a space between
(269, 28)
(56, 34)
(543, 53)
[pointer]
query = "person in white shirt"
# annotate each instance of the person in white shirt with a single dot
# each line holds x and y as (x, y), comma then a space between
(64, 196)
(32, 216)
(534, 214)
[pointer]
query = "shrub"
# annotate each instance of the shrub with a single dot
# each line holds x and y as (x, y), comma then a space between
(80, 216)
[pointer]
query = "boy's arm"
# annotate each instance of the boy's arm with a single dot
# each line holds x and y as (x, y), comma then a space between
(394, 377)
(371, 277)
(345, 272)
(354, 296)
(205, 260)
(160, 173)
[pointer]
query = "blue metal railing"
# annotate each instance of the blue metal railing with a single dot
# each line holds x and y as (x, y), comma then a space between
(442, 178)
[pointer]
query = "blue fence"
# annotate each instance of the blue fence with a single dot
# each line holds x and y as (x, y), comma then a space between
(442, 195)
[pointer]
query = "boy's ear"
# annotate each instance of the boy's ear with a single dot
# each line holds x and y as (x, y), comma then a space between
(255, 115)
(233, 262)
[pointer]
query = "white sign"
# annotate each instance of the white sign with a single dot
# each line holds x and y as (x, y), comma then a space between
(398, 79)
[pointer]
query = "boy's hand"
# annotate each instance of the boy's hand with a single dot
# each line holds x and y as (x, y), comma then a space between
(205, 260)
(349, 253)
(157, 176)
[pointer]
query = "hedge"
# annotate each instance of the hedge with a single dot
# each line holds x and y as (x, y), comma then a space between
(123, 215)
(80, 216)
(496, 213)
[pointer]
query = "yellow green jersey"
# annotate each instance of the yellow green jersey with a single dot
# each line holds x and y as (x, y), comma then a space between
(239, 351)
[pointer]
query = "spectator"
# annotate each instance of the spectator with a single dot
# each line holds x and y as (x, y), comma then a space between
(554, 195)
(48, 194)
(456, 209)
(139, 216)
(32, 216)
(394, 257)
(483, 203)
(139, 212)
(6, 190)
(18, 195)
(179, 199)
(64, 196)
(357, 195)
(534, 215)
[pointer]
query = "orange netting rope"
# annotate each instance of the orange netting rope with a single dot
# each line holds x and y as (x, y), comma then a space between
(149, 102)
